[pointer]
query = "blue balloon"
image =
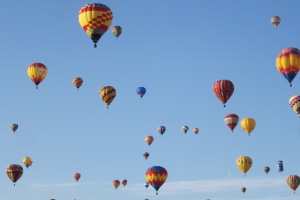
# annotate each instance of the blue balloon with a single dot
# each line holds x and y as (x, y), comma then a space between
(141, 91)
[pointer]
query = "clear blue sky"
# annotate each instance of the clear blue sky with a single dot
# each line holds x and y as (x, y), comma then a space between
(176, 50)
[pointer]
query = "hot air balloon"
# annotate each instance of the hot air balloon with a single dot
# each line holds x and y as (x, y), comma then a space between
(244, 189)
(107, 94)
(149, 139)
(293, 182)
(156, 176)
(248, 124)
(146, 184)
(223, 89)
(231, 121)
(244, 163)
(77, 176)
(95, 19)
(117, 30)
(196, 130)
(77, 82)
(146, 155)
(14, 127)
(288, 63)
(116, 183)
(267, 169)
(185, 129)
(27, 161)
(14, 172)
(295, 104)
(141, 91)
(280, 166)
(124, 182)
(37, 72)
(275, 20)
(161, 129)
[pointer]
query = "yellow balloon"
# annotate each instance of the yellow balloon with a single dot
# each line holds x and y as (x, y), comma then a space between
(37, 72)
(248, 124)
(244, 163)
(27, 161)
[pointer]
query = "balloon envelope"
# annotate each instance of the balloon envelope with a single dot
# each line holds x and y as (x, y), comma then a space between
(107, 94)
(77, 82)
(95, 19)
(149, 139)
(223, 89)
(146, 184)
(14, 127)
(141, 91)
(27, 161)
(185, 129)
(288, 63)
(161, 129)
(248, 124)
(77, 176)
(117, 30)
(231, 120)
(156, 176)
(266, 169)
(146, 155)
(244, 189)
(124, 182)
(295, 104)
(275, 20)
(37, 72)
(14, 172)
(293, 182)
(244, 163)
(196, 130)
(116, 183)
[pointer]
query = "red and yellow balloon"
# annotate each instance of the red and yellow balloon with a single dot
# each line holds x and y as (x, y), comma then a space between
(156, 176)
(37, 72)
(95, 19)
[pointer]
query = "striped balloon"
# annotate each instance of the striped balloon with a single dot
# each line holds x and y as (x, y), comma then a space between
(107, 94)
(293, 182)
(231, 120)
(288, 63)
(156, 176)
(223, 89)
(77, 82)
(14, 172)
(295, 104)
(117, 30)
(95, 19)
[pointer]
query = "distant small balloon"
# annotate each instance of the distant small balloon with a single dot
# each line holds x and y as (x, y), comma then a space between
(141, 91)
(161, 129)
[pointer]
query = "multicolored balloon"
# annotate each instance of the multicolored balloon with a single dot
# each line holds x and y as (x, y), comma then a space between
(196, 130)
(244, 163)
(27, 161)
(156, 176)
(37, 72)
(295, 104)
(185, 129)
(117, 30)
(146, 155)
(161, 129)
(95, 19)
(266, 169)
(149, 139)
(288, 63)
(116, 183)
(141, 91)
(124, 182)
(77, 82)
(77, 176)
(293, 182)
(248, 125)
(223, 90)
(231, 120)
(14, 172)
(107, 94)
(14, 127)
(275, 20)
